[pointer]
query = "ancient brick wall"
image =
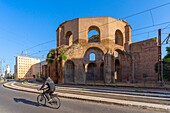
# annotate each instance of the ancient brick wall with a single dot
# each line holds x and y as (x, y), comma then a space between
(134, 60)
(145, 57)
(126, 69)
(52, 71)
(66, 27)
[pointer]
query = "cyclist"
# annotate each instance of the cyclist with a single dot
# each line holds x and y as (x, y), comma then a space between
(50, 87)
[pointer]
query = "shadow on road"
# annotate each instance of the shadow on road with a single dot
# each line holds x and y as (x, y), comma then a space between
(25, 101)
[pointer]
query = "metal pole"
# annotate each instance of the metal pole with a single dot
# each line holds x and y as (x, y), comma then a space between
(160, 76)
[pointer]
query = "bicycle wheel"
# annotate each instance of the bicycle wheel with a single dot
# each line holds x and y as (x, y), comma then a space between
(41, 100)
(55, 102)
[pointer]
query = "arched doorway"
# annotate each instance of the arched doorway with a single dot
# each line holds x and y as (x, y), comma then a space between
(91, 72)
(69, 72)
(93, 58)
(102, 72)
(117, 75)
(119, 58)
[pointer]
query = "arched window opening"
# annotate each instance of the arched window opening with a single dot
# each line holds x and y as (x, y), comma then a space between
(118, 37)
(69, 38)
(119, 54)
(93, 34)
(103, 58)
(92, 57)
(116, 54)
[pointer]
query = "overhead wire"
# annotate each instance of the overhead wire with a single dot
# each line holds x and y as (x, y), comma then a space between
(122, 33)
(148, 10)
(39, 45)
(131, 15)
(137, 29)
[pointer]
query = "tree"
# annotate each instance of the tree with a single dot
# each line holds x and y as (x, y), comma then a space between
(166, 59)
(166, 65)
(8, 76)
(50, 56)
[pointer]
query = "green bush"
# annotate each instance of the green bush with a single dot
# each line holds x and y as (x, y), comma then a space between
(50, 56)
(25, 81)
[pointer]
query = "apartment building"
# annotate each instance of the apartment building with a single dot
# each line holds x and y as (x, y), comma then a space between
(24, 66)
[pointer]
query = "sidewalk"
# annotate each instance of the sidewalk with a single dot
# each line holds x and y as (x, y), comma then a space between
(152, 86)
(104, 95)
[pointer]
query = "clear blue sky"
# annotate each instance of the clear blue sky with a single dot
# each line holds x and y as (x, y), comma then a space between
(26, 23)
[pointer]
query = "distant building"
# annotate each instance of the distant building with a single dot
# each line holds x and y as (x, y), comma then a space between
(8, 70)
(37, 68)
(23, 66)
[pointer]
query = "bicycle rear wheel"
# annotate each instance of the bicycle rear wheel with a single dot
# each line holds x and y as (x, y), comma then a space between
(41, 100)
(55, 102)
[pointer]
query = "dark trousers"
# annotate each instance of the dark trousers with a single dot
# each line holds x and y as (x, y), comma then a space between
(48, 93)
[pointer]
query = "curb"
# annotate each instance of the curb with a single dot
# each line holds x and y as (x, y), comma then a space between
(122, 86)
(121, 91)
(6, 86)
(93, 99)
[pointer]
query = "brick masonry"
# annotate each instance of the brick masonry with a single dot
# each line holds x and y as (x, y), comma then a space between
(114, 37)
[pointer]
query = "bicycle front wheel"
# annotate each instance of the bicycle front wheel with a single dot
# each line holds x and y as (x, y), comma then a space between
(41, 100)
(55, 102)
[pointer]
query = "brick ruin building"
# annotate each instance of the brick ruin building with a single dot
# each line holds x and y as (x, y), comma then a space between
(108, 57)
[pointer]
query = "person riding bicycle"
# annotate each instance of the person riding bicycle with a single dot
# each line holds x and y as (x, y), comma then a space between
(50, 87)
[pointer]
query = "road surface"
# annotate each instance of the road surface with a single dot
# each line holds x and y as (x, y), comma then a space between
(12, 101)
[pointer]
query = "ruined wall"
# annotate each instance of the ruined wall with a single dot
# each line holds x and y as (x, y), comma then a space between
(52, 71)
(64, 28)
(145, 57)
(113, 35)
(126, 68)
(79, 56)
(86, 24)
(106, 27)
(44, 70)
(75, 55)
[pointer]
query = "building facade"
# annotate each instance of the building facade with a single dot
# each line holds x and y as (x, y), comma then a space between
(23, 67)
(106, 57)
(37, 69)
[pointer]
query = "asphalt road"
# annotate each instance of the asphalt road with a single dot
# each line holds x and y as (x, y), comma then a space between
(12, 101)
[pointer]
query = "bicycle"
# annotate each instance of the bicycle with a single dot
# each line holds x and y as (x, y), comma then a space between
(55, 103)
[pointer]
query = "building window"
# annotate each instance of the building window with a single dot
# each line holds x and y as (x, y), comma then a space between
(93, 34)
(92, 57)
(118, 37)
(69, 38)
